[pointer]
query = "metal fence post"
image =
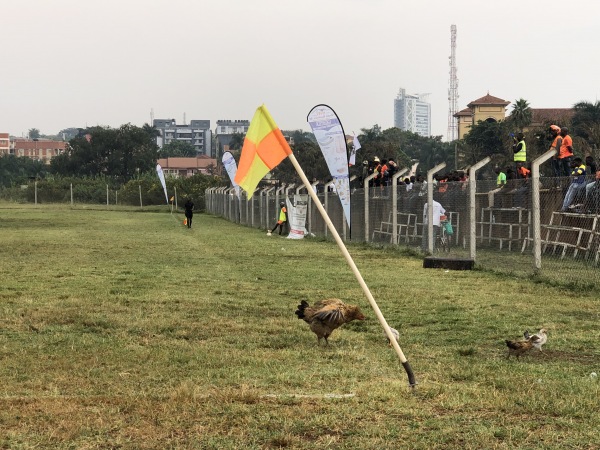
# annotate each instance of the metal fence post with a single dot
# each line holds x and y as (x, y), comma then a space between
(71, 194)
(472, 211)
(326, 195)
(366, 190)
(395, 204)
(535, 208)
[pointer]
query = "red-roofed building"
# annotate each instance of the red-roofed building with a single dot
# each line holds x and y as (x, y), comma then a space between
(4, 144)
(490, 108)
(37, 149)
(187, 167)
(487, 108)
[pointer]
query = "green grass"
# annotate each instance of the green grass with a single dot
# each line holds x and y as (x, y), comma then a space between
(126, 330)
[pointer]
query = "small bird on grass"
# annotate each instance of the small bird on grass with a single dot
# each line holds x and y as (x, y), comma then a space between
(538, 339)
(326, 315)
(395, 333)
(517, 348)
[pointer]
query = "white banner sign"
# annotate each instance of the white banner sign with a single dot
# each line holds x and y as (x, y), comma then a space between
(161, 177)
(297, 216)
(231, 168)
(328, 130)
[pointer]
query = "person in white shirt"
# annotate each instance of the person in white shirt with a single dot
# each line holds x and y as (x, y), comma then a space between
(438, 210)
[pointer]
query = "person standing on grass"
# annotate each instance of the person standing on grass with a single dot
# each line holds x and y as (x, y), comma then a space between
(282, 221)
(438, 210)
(189, 211)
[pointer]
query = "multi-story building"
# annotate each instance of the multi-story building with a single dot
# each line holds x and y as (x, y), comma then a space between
(4, 144)
(197, 134)
(493, 109)
(412, 113)
(487, 108)
(225, 131)
(38, 149)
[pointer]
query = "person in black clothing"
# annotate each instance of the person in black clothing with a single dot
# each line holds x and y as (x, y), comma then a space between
(189, 211)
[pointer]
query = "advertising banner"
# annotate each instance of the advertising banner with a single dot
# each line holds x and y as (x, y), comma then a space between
(329, 132)
(297, 216)
(231, 168)
(161, 177)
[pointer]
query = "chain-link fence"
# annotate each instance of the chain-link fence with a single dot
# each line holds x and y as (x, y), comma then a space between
(91, 192)
(523, 228)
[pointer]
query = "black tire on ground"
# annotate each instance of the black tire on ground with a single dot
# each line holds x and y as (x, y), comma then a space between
(435, 262)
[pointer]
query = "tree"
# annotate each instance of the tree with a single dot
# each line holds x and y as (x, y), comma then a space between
(487, 139)
(586, 122)
(521, 114)
(237, 141)
(34, 133)
(121, 153)
(177, 149)
(16, 170)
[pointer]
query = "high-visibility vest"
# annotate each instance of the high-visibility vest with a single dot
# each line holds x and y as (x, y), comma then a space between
(501, 179)
(521, 155)
(282, 214)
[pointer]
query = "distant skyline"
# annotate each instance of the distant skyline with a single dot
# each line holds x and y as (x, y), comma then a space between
(68, 63)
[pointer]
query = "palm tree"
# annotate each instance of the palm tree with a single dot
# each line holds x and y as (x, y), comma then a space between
(586, 122)
(521, 114)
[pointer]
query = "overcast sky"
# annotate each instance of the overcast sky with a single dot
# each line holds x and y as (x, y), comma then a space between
(72, 63)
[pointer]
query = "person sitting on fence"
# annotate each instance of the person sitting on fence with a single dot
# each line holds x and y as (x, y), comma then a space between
(501, 178)
(592, 195)
(522, 171)
(438, 210)
(577, 185)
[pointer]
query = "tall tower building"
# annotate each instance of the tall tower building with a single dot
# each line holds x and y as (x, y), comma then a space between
(413, 113)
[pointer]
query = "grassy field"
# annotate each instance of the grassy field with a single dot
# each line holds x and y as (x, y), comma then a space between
(127, 330)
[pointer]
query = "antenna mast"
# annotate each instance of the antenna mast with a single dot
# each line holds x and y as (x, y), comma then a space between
(453, 89)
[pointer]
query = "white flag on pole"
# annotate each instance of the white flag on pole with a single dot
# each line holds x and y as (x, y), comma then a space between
(161, 177)
(355, 148)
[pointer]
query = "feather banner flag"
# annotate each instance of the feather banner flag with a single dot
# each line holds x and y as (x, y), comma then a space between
(231, 168)
(264, 148)
(331, 138)
(161, 177)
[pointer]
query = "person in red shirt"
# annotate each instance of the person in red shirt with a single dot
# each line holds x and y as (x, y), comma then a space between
(565, 154)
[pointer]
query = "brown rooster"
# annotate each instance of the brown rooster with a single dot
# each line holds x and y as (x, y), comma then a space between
(327, 315)
(517, 348)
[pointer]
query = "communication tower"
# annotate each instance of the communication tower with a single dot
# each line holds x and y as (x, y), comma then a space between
(453, 89)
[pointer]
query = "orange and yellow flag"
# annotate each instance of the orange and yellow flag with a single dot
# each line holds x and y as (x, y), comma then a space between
(264, 148)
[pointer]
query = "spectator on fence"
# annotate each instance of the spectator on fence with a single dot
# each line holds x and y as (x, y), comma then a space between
(577, 185)
(566, 152)
(519, 149)
(438, 210)
(377, 170)
(189, 211)
(592, 195)
(522, 171)
(590, 167)
(556, 144)
(392, 169)
(501, 177)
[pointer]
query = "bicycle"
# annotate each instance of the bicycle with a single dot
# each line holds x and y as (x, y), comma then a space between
(443, 237)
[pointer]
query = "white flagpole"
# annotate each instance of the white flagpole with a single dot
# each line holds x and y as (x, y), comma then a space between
(411, 377)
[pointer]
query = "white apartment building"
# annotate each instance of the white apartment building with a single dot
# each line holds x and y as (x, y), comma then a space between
(413, 113)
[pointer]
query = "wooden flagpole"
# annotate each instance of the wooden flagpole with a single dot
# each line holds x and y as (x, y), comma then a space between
(411, 377)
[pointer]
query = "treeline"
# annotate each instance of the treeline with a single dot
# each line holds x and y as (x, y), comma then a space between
(93, 190)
